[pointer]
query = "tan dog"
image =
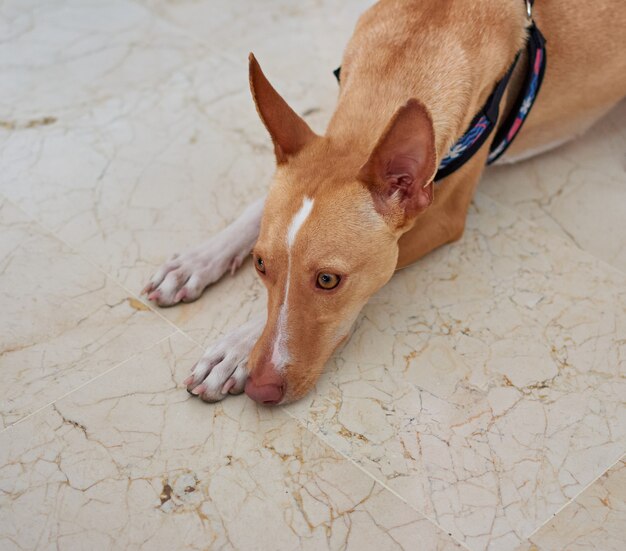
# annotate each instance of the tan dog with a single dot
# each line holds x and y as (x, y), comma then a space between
(347, 209)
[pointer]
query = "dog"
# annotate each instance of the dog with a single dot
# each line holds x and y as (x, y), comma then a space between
(347, 209)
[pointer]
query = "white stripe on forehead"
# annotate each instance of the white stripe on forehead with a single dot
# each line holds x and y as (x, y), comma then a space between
(298, 220)
(280, 354)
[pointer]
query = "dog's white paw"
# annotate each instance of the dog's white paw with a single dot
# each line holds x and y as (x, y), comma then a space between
(223, 368)
(185, 276)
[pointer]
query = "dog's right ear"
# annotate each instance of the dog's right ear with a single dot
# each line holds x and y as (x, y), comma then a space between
(400, 170)
(288, 131)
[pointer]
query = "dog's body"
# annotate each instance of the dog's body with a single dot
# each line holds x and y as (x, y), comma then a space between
(347, 209)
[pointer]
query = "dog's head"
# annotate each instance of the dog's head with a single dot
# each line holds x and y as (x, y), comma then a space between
(329, 235)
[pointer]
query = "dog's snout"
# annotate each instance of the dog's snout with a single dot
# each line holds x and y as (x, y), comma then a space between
(267, 388)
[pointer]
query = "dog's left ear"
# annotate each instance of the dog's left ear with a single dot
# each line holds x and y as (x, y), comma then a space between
(400, 169)
(288, 131)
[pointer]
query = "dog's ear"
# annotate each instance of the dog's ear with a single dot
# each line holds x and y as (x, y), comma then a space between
(400, 169)
(288, 131)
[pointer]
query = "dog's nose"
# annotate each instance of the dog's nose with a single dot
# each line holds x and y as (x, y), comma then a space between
(267, 388)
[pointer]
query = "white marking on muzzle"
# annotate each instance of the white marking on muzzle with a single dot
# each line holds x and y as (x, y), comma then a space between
(280, 354)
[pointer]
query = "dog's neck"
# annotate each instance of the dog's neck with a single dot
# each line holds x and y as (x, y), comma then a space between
(364, 109)
(451, 75)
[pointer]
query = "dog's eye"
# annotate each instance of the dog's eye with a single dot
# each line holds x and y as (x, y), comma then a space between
(327, 281)
(259, 264)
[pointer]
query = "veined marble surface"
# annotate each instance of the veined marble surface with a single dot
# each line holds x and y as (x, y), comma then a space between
(481, 393)
(131, 463)
(594, 520)
(63, 322)
(576, 191)
(486, 384)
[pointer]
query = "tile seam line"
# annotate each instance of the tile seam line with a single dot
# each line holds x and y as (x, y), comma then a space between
(114, 279)
(621, 456)
(377, 481)
(573, 499)
(99, 376)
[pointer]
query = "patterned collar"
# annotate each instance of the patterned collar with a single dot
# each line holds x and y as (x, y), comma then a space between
(486, 120)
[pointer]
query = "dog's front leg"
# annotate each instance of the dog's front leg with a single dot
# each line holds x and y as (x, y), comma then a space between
(186, 275)
(444, 221)
(223, 368)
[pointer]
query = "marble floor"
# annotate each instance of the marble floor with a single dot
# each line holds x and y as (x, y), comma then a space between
(479, 404)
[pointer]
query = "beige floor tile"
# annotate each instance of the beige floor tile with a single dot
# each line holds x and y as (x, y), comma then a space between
(594, 521)
(486, 383)
(148, 170)
(62, 321)
(577, 190)
(67, 56)
(150, 173)
(317, 29)
(133, 462)
(139, 193)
